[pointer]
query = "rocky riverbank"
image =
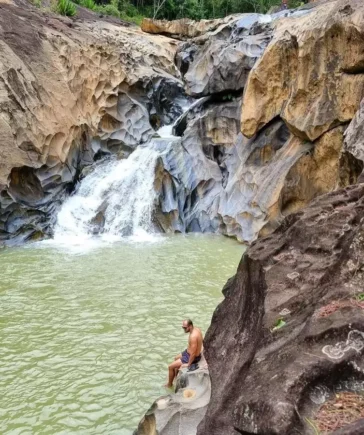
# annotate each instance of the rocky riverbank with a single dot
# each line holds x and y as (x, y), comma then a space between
(270, 98)
(275, 121)
(71, 91)
(289, 336)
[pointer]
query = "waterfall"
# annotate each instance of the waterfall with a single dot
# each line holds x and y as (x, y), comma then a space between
(117, 198)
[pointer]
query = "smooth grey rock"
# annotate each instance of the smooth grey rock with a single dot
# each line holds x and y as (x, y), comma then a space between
(29, 205)
(215, 180)
(222, 63)
(354, 135)
(180, 412)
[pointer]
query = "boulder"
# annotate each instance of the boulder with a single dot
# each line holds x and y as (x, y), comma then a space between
(278, 342)
(183, 28)
(222, 62)
(311, 74)
(180, 412)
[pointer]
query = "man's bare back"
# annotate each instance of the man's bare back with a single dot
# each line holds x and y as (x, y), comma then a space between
(195, 340)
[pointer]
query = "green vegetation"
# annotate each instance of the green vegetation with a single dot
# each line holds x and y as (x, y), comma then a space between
(89, 4)
(66, 7)
(279, 324)
(136, 10)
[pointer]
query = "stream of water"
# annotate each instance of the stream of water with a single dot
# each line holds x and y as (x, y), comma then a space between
(87, 332)
(90, 319)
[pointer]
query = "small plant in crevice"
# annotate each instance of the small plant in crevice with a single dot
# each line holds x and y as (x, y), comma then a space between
(360, 297)
(66, 8)
(279, 324)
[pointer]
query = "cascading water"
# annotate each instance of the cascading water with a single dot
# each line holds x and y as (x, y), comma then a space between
(120, 193)
(116, 199)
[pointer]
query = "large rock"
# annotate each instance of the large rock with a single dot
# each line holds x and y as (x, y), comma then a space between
(311, 74)
(183, 28)
(214, 179)
(223, 61)
(180, 412)
(291, 328)
(70, 89)
(192, 176)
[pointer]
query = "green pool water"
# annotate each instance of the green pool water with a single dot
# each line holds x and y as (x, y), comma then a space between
(86, 334)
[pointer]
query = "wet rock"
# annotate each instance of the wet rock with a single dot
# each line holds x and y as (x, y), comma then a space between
(182, 411)
(127, 122)
(70, 95)
(98, 222)
(261, 380)
(192, 179)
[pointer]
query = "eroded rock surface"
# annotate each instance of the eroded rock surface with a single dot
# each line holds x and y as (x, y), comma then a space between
(223, 61)
(264, 376)
(312, 74)
(180, 412)
(71, 90)
(354, 137)
(183, 28)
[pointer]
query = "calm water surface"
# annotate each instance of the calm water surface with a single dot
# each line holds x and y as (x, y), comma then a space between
(85, 336)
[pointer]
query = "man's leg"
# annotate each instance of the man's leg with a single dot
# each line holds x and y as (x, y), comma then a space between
(172, 370)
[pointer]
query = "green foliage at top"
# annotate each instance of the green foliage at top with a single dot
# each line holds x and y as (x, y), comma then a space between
(66, 7)
(89, 4)
(136, 10)
(108, 10)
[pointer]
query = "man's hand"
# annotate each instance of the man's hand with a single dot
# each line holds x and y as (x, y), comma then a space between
(184, 366)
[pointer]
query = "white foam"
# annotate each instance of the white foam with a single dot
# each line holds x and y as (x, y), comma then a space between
(166, 131)
(122, 191)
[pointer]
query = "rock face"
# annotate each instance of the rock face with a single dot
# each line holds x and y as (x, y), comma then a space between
(291, 325)
(311, 75)
(70, 90)
(303, 89)
(222, 60)
(184, 28)
(79, 89)
(180, 412)
(354, 137)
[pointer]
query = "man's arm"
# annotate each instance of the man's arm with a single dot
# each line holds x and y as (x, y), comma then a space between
(192, 349)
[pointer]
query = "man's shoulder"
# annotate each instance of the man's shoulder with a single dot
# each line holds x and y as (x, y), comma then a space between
(198, 332)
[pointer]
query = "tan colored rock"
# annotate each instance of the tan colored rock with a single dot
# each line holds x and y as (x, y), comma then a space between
(52, 86)
(62, 83)
(184, 28)
(314, 174)
(311, 74)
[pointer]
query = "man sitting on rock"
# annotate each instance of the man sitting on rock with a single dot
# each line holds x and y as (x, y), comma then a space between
(192, 355)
